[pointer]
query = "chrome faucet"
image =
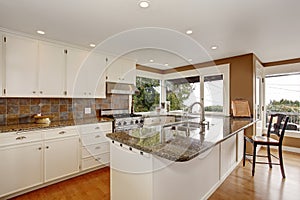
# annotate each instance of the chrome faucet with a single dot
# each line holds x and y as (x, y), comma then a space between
(202, 118)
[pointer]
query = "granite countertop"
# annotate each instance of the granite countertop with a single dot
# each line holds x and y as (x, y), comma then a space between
(180, 148)
(54, 124)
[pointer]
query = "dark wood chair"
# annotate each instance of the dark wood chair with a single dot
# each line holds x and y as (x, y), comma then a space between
(277, 126)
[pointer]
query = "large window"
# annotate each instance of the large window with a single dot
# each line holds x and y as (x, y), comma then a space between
(149, 94)
(182, 92)
(213, 93)
(283, 95)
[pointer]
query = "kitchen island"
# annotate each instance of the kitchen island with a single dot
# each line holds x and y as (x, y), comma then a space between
(172, 164)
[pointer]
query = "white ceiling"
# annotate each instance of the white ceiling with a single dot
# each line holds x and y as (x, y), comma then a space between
(268, 28)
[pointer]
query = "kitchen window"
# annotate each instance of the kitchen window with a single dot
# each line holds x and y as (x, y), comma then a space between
(283, 95)
(182, 92)
(149, 94)
(213, 93)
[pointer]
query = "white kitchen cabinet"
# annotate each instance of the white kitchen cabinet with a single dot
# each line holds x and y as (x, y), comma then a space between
(228, 156)
(52, 69)
(90, 79)
(240, 146)
(75, 60)
(34, 158)
(121, 70)
(21, 66)
(21, 167)
(1, 66)
(61, 158)
(94, 145)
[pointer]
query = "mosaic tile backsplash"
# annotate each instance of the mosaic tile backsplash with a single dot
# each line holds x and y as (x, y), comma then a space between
(22, 110)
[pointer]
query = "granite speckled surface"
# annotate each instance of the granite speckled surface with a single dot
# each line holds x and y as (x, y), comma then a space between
(35, 126)
(180, 148)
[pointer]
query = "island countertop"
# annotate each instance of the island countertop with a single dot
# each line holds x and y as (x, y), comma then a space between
(181, 148)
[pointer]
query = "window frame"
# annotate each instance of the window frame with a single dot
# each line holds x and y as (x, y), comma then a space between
(286, 69)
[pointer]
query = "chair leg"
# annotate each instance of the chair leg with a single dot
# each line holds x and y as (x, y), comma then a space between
(244, 154)
(269, 156)
(254, 158)
(281, 161)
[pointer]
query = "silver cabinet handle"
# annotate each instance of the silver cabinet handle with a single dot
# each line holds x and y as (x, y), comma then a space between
(33, 92)
(40, 148)
(98, 159)
(97, 147)
(20, 138)
(62, 132)
(47, 147)
(41, 92)
(97, 127)
(97, 136)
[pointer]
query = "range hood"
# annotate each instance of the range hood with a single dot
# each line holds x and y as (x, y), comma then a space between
(120, 88)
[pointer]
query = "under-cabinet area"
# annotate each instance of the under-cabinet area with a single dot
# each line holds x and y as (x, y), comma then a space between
(34, 159)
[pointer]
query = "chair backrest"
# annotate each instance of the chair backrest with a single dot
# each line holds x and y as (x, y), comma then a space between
(277, 122)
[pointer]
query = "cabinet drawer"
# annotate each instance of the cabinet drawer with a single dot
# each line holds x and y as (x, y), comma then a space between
(95, 161)
(95, 149)
(60, 133)
(93, 138)
(13, 138)
(91, 128)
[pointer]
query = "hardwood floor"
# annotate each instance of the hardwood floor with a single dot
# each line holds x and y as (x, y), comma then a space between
(266, 184)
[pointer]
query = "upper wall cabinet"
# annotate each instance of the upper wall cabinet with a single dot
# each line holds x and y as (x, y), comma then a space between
(52, 69)
(75, 59)
(1, 66)
(121, 70)
(21, 66)
(90, 78)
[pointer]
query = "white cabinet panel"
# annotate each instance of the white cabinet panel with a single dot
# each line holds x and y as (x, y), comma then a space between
(75, 60)
(240, 145)
(2, 78)
(52, 62)
(95, 161)
(91, 77)
(228, 156)
(95, 149)
(21, 66)
(61, 158)
(121, 70)
(20, 168)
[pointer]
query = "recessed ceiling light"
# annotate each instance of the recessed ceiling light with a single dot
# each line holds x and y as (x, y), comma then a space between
(151, 61)
(92, 45)
(190, 60)
(214, 47)
(40, 32)
(166, 64)
(189, 32)
(144, 4)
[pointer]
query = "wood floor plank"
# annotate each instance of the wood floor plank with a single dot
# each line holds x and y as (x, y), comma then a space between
(266, 184)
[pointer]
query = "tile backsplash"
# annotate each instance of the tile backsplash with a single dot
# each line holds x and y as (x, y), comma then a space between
(22, 110)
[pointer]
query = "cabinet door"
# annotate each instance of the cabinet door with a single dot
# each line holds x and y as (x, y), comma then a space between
(61, 158)
(21, 55)
(121, 70)
(1, 67)
(75, 59)
(91, 77)
(52, 67)
(20, 168)
(228, 156)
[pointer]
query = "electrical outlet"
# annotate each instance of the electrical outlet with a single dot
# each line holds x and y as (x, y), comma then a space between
(87, 110)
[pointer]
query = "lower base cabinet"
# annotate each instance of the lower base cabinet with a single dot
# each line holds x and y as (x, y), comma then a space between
(34, 158)
(21, 167)
(61, 158)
